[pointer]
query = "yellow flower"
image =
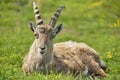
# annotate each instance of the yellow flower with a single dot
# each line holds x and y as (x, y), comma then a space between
(98, 3)
(109, 54)
(117, 23)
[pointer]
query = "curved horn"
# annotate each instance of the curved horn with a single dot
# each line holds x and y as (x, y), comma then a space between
(38, 19)
(56, 16)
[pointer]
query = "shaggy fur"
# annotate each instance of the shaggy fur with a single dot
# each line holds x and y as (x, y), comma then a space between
(73, 52)
(66, 57)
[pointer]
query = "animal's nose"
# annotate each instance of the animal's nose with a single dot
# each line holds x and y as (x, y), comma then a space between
(42, 48)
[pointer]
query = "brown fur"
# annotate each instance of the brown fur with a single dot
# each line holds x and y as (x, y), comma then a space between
(81, 52)
(76, 58)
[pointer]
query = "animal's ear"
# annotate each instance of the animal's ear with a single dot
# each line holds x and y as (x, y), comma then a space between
(57, 30)
(31, 26)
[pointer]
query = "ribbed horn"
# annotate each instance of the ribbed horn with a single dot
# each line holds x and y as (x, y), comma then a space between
(56, 16)
(38, 19)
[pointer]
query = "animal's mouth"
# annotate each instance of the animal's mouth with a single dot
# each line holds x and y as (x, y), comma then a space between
(42, 52)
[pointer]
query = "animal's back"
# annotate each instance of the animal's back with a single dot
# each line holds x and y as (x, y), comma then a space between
(76, 57)
(76, 49)
(66, 60)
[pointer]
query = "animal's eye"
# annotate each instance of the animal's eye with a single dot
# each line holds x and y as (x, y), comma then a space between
(36, 36)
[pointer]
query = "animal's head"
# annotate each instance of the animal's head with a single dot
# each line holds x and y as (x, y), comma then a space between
(43, 33)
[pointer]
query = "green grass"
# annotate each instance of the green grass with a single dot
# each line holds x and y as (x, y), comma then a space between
(95, 22)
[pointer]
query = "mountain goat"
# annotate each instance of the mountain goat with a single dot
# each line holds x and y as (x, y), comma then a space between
(44, 56)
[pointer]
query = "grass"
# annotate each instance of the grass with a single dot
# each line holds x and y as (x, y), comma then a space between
(95, 22)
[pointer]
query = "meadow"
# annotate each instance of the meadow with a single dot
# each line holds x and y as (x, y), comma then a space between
(95, 22)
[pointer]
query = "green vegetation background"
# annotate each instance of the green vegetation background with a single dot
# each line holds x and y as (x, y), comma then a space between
(95, 22)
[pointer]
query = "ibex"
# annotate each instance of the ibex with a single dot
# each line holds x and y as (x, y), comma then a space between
(76, 58)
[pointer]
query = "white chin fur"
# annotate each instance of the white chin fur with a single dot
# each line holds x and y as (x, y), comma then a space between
(102, 64)
(85, 72)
